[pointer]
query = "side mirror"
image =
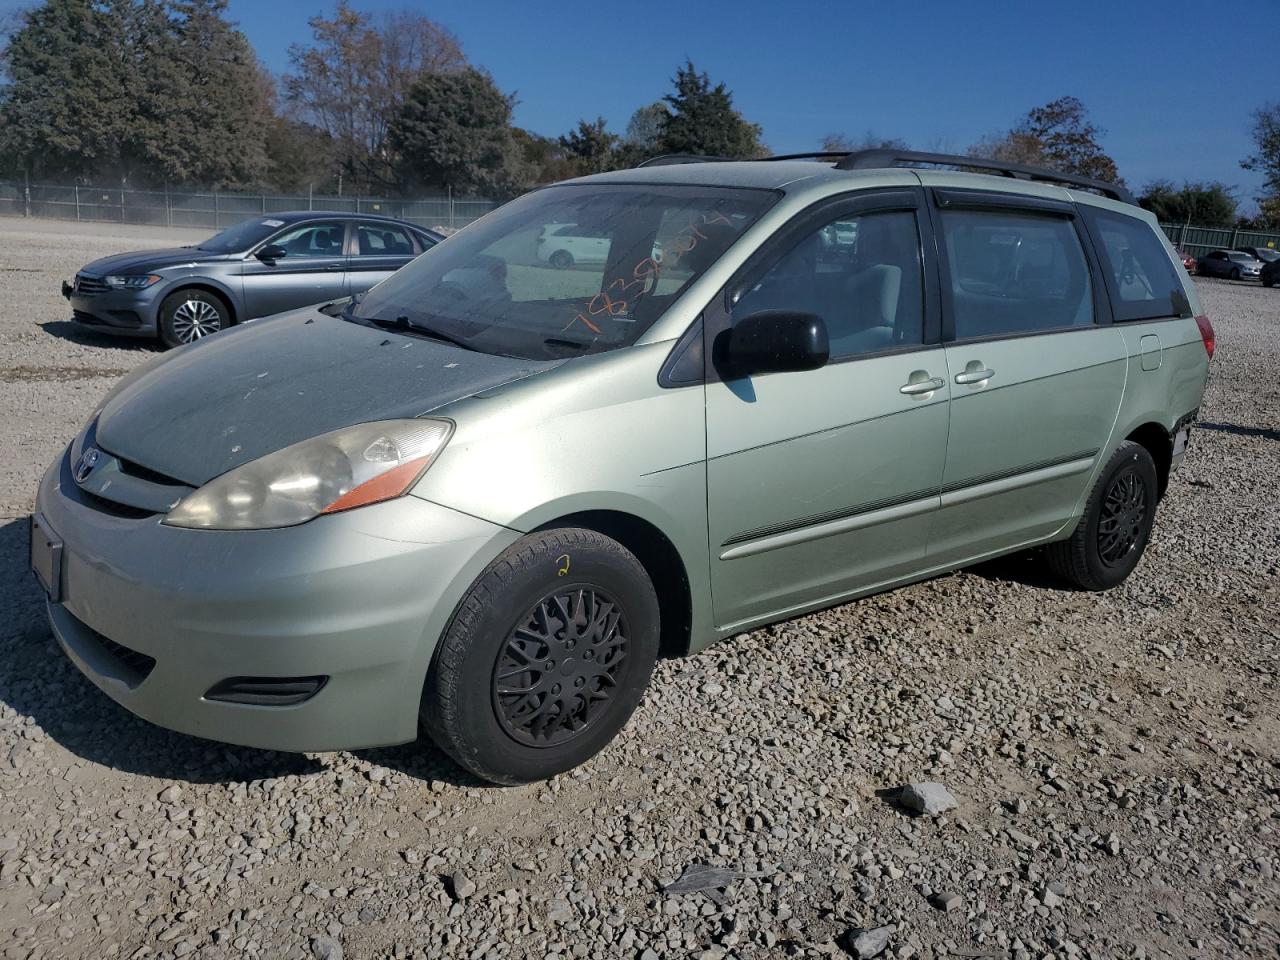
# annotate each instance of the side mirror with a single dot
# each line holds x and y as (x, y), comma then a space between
(772, 341)
(272, 251)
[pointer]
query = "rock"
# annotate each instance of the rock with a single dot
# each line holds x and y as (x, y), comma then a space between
(928, 798)
(865, 944)
(171, 794)
(463, 886)
(326, 948)
(948, 902)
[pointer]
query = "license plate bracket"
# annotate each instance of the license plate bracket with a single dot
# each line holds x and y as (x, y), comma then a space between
(46, 558)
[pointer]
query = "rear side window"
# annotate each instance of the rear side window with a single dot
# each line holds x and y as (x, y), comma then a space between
(1144, 284)
(382, 240)
(1015, 272)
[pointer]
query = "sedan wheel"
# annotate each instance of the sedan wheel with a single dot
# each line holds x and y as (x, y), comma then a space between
(191, 315)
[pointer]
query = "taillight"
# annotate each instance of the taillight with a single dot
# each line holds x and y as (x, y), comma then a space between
(1206, 333)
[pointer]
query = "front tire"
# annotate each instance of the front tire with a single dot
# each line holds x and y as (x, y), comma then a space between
(545, 659)
(1116, 526)
(562, 259)
(190, 315)
(1235, 274)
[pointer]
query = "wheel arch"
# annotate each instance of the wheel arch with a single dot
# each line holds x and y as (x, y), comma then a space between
(1155, 438)
(208, 286)
(661, 561)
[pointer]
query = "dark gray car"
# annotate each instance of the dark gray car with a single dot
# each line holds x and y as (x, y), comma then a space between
(1232, 264)
(254, 269)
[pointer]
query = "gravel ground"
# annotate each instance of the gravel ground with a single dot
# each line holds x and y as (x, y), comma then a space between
(1113, 757)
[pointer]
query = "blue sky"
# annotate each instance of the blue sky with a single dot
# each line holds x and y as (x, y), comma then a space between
(1173, 83)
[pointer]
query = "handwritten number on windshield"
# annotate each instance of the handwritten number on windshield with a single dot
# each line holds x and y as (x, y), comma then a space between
(645, 274)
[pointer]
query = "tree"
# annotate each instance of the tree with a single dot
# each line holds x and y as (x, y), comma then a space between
(64, 92)
(1058, 135)
(151, 90)
(591, 147)
(1201, 204)
(354, 78)
(454, 131)
(701, 120)
(300, 156)
(202, 103)
(1266, 158)
(1010, 147)
(543, 157)
(644, 129)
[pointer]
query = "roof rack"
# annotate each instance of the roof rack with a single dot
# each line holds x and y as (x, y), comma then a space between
(876, 159)
(671, 159)
(880, 159)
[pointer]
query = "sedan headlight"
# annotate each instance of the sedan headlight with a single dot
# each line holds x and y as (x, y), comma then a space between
(349, 468)
(132, 282)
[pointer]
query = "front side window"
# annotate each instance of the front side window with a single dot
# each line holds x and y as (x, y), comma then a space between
(322, 239)
(382, 240)
(1135, 258)
(1015, 273)
(860, 273)
(630, 250)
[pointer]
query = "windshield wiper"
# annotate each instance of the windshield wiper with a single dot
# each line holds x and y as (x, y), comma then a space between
(403, 325)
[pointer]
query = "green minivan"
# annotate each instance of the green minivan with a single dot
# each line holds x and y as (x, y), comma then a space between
(483, 498)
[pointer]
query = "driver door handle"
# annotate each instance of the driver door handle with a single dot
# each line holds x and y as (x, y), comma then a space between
(975, 376)
(922, 386)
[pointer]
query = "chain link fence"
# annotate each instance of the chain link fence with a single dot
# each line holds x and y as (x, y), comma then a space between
(1198, 241)
(215, 210)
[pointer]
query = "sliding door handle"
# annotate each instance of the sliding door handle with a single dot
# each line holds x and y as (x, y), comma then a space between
(975, 373)
(922, 386)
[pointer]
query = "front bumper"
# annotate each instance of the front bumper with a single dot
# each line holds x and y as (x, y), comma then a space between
(359, 598)
(126, 312)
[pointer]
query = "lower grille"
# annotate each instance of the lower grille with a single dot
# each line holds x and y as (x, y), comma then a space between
(128, 666)
(87, 318)
(136, 663)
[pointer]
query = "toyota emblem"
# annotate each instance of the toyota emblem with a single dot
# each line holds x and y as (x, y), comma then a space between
(84, 466)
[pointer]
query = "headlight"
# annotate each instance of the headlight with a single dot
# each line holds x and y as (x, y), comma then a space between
(348, 468)
(132, 282)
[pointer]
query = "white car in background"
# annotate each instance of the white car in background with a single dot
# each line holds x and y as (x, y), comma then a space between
(564, 244)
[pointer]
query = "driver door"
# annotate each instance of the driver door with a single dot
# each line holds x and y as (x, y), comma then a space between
(823, 483)
(313, 270)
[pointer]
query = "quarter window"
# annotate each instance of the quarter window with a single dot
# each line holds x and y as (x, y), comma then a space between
(382, 240)
(1146, 284)
(1015, 273)
(860, 274)
(314, 240)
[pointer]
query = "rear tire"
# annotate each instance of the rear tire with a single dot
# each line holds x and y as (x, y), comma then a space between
(190, 315)
(545, 658)
(1116, 527)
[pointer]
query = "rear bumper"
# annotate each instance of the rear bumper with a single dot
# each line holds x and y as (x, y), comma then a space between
(157, 616)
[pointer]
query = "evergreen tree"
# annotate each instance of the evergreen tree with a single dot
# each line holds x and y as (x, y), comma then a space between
(701, 120)
(66, 89)
(455, 131)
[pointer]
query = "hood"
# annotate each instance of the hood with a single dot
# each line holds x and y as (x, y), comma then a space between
(251, 390)
(144, 261)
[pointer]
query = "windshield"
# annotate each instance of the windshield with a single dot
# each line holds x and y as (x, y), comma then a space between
(242, 236)
(1241, 257)
(566, 270)
(1270, 256)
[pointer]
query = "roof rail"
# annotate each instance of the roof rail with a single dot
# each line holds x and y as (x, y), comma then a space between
(874, 159)
(671, 159)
